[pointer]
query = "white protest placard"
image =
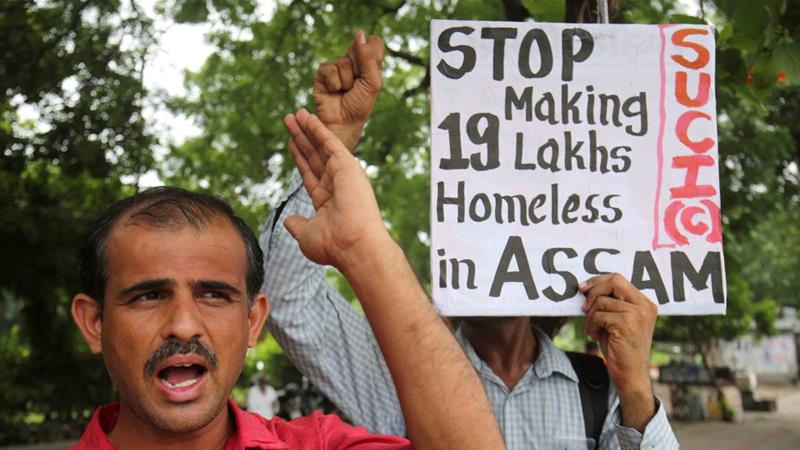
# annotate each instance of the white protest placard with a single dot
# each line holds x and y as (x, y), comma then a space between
(562, 151)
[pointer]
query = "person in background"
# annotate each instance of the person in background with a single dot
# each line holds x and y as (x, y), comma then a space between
(531, 384)
(262, 398)
(290, 402)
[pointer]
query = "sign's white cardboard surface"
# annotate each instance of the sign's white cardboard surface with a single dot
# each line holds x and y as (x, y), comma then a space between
(560, 151)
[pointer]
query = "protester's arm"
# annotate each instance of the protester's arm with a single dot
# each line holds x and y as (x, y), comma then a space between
(323, 336)
(443, 402)
(345, 89)
(623, 319)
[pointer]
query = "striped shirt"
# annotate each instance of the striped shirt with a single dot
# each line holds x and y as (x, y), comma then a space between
(333, 345)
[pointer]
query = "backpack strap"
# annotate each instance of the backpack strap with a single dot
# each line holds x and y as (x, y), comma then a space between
(593, 386)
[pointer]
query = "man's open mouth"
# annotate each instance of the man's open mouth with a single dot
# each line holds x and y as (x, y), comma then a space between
(181, 375)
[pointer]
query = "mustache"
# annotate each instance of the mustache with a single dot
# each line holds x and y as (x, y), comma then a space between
(176, 347)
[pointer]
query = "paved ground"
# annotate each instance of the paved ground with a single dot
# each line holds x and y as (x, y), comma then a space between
(763, 431)
(779, 430)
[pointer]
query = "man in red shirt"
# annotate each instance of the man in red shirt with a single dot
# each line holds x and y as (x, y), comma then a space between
(170, 297)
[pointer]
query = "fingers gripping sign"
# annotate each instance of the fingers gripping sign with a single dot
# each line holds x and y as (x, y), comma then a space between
(347, 213)
(623, 319)
(346, 88)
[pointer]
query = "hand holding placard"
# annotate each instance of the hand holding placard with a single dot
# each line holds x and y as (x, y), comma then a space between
(622, 319)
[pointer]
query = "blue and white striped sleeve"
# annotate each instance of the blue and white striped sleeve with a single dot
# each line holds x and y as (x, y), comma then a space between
(323, 336)
(657, 434)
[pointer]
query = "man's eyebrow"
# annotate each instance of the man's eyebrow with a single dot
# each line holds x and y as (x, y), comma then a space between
(159, 283)
(217, 286)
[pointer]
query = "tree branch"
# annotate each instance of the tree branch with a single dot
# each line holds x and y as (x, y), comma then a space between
(515, 10)
(585, 11)
(393, 9)
(407, 57)
(75, 19)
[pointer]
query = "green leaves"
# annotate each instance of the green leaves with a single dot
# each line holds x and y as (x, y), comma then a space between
(190, 11)
(71, 126)
(683, 18)
(786, 59)
(197, 11)
(478, 10)
(752, 23)
(546, 10)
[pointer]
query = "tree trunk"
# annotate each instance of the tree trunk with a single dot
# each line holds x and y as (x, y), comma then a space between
(585, 11)
(515, 11)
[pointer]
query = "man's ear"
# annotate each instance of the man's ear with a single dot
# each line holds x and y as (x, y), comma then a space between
(86, 314)
(257, 316)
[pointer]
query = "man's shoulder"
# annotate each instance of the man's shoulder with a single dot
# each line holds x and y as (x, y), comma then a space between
(95, 435)
(330, 431)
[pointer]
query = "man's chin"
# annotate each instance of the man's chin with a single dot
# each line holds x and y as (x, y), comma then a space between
(179, 418)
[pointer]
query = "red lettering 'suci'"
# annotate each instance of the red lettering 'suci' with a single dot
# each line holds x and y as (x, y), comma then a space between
(678, 216)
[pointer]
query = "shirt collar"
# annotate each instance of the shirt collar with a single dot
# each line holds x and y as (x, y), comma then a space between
(251, 430)
(472, 355)
(95, 435)
(550, 359)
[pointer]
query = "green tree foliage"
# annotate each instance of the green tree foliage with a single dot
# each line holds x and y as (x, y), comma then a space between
(757, 101)
(71, 129)
(772, 257)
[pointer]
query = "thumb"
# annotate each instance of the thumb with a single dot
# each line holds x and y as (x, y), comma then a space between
(377, 47)
(367, 58)
(295, 225)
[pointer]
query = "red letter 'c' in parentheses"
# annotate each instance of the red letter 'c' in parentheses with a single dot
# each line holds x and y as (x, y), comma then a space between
(697, 228)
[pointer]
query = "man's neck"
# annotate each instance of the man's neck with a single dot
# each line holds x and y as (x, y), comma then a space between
(131, 433)
(507, 344)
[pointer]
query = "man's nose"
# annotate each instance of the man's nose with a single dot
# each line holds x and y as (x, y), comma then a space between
(183, 321)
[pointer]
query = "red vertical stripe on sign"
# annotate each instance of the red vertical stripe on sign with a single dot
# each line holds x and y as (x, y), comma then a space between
(662, 117)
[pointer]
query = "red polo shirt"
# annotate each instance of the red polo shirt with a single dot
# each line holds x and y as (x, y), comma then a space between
(314, 432)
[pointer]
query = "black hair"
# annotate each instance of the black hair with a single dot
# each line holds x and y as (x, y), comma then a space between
(163, 207)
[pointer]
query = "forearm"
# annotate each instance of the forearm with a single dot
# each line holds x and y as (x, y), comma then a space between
(637, 402)
(323, 336)
(332, 345)
(443, 401)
